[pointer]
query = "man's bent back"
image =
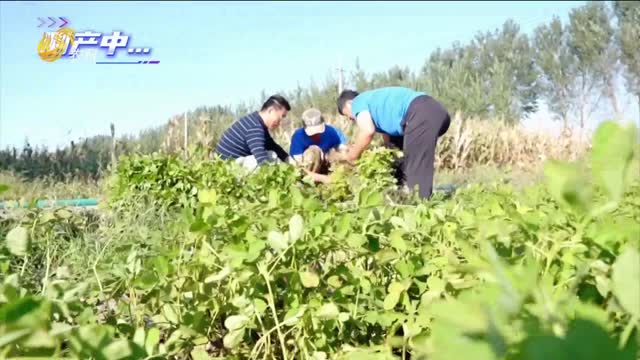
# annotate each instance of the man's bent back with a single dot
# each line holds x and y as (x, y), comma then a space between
(249, 136)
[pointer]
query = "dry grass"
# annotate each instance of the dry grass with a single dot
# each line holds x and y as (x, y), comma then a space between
(472, 142)
(48, 189)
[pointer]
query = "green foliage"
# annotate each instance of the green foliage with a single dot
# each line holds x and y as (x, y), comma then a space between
(169, 180)
(493, 76)
(558, 67)
(628, 14)
(85, 160)
(591, 35)
(611, 160)
(18, 241)
(505, 56)
(590, 40)
(578, 61)
(447, 76)
(375, 168)
(272, 270)
(91, 158)
(627, 291)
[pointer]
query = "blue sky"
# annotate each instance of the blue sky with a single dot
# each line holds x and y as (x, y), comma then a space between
(215, 53)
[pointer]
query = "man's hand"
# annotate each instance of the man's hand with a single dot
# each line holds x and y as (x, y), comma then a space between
(325, 179)
(337, 155)
(366, 131)
(291, 160)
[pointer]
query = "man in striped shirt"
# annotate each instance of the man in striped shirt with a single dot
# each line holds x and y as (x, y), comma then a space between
(248, 139)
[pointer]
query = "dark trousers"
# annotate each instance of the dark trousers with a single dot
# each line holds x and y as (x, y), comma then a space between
(426, 120)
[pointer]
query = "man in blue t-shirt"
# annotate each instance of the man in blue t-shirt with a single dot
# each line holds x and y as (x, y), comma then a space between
(315, 133)
(406, 118)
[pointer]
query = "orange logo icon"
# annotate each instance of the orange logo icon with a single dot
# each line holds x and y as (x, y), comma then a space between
(52, 46)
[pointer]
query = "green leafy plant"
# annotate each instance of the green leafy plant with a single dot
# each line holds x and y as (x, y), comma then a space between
(263, 265)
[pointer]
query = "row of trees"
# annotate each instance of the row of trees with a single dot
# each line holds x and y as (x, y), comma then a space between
(91, 157)
(503, 75)
(506, 74)
(86, 159)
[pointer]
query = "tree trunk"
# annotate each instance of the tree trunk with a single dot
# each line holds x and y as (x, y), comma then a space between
(612, 96)
(113, 147)
(186, 137)
(638, 95)
(583, 100)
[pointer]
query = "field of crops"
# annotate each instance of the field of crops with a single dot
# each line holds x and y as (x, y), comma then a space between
(196, 260)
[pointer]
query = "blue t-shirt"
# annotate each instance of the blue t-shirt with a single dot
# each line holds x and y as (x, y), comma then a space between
(387, 107)
(330, 138)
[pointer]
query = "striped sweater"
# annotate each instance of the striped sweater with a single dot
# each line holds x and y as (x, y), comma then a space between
(249, 136)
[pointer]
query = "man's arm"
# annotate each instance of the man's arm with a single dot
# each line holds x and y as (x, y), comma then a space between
(343, 145)
(366, 131)
(343, 139)
(256, 142)
(325, 179)
(270, 144)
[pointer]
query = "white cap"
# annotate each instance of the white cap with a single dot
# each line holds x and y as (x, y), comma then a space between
(313, 122)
